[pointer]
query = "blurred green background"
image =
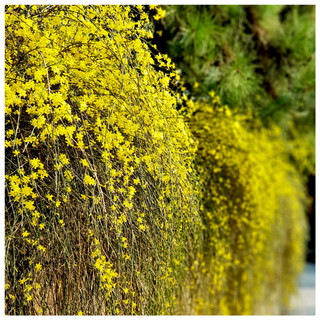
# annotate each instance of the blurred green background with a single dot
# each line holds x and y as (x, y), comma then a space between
(257, 58)
(260, 57)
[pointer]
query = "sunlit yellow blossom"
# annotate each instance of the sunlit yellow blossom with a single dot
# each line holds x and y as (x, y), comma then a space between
(35, 163)
(64, 159)
(89, 180)
(160, 14)
(68, 175)
(28, 287)
(84, 162)
(49, 196)
(38, 267)
(40, 247)
(25, 233)
(29, 297)
(22, 281)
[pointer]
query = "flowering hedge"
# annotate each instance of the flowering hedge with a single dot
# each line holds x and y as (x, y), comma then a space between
(253, 210)
(103, 199)
(100, 203)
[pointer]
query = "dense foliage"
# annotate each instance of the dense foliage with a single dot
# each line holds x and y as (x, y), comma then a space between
(254, 213)
(117, 203)
(99, 201)
(258, 58)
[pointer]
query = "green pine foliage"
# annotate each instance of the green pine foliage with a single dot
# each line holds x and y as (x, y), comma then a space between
(253, 57)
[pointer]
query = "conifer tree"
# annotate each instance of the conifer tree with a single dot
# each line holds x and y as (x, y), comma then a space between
(259, 58)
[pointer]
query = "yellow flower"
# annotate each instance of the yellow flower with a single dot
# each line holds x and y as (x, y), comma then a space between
(30, 205)
(35, 163)
(38, 267)
(160, 14)
(80, 313)
(40, 247)
(34, 175)
(132, 190)
(89, 180)
(49, 196)
(29, 297)
(64, 159)
(126, 290)
(68, 175)
(25, 233)
(84, 162)
(42, 173)
(22, 281)
(28, 287)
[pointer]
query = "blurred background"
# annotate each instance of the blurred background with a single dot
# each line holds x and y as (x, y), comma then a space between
(261, 59)
(258, 58)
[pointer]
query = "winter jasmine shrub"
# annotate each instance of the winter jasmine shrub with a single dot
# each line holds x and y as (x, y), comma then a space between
(101, 211)
(253, 210)
(117, 203)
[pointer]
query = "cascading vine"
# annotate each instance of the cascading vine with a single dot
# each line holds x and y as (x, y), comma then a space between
(117, 203)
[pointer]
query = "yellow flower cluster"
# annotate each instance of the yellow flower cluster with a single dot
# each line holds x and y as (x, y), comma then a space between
(253, 211)
(103, 205)
(92, 131)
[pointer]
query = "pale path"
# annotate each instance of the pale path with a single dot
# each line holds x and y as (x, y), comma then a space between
(304, 302)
